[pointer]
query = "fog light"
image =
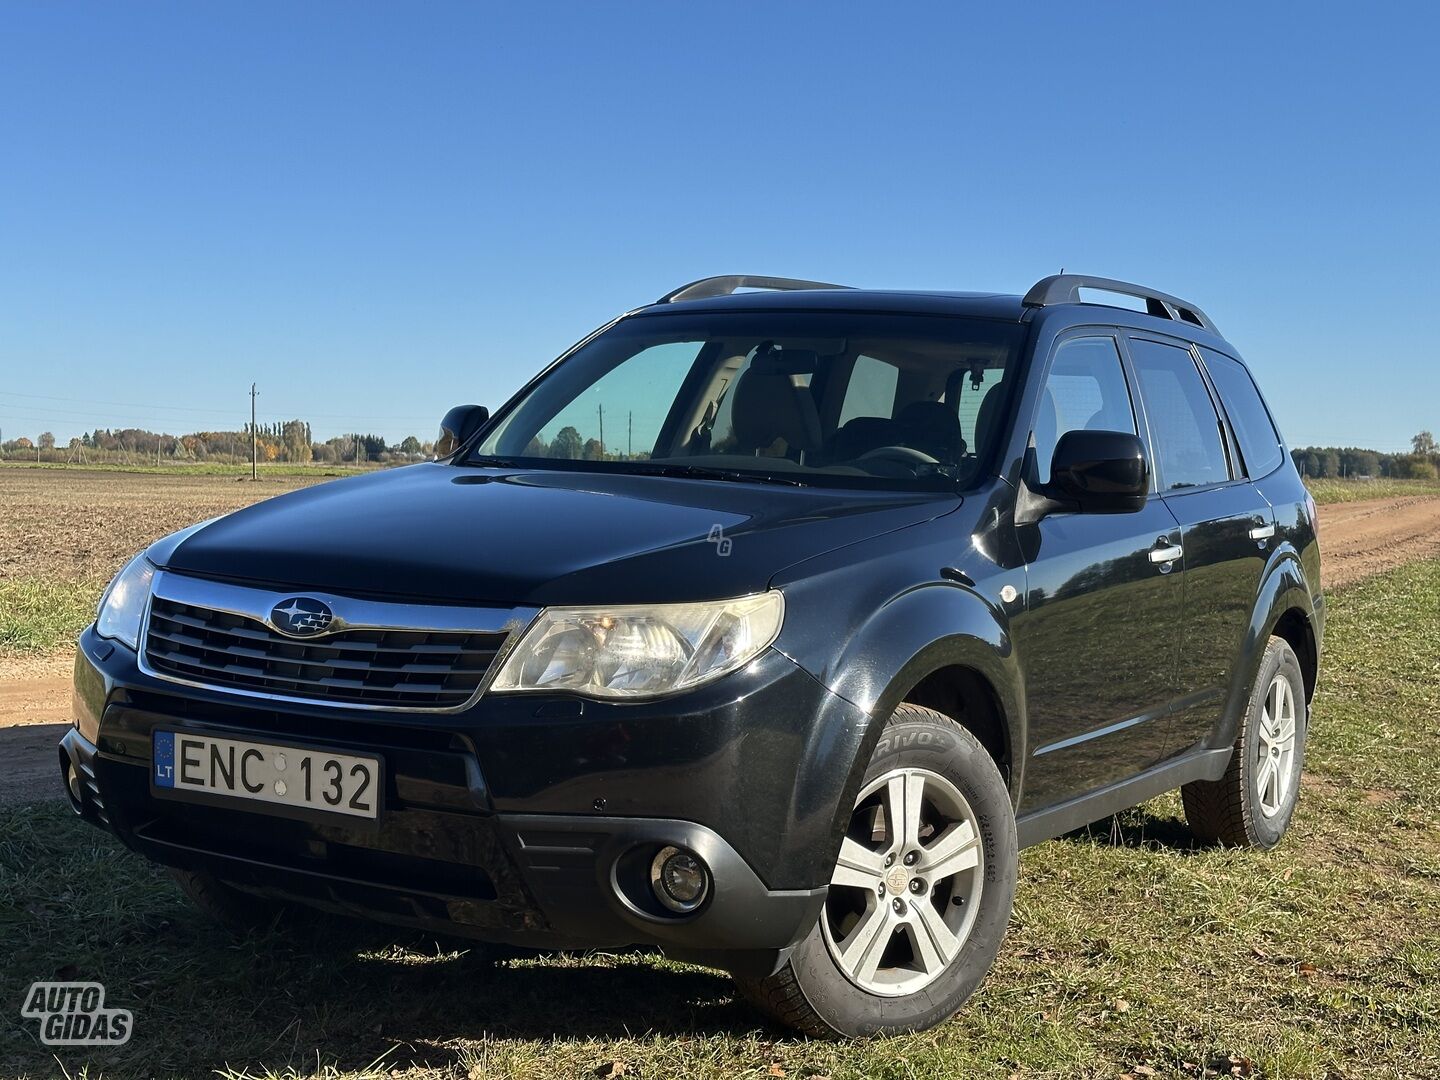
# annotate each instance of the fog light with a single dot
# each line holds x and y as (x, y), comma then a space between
(680, 880)
(72, 781)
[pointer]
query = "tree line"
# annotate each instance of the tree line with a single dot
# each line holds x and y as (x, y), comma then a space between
(285, 441)
(1422, 463)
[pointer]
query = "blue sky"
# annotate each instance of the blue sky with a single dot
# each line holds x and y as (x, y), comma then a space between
(379, 210)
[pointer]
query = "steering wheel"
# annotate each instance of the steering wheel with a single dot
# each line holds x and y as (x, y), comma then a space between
(903, 455)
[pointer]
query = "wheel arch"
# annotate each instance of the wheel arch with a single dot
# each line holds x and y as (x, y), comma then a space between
(1284, 607)
(943, 646)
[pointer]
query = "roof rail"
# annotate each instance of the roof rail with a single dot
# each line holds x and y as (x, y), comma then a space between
(730, 283)
(1065, 289)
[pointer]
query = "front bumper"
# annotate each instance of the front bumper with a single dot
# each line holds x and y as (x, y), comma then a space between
(521, 820)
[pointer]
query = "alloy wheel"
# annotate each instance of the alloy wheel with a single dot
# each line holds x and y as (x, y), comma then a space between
(906, 888)
(1275, 750)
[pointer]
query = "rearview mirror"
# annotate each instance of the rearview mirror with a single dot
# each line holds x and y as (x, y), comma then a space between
(1104, 472)
(458, 427)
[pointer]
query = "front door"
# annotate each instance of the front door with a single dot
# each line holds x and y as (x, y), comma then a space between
(1099, 633)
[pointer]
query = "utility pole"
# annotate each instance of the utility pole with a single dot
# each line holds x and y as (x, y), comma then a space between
(630, 437)
(602, 431)
(254, 441)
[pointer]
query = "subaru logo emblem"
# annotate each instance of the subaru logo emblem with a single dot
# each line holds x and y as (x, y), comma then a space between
(302, 616)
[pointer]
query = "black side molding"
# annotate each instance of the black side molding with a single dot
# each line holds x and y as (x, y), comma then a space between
(1053, 821)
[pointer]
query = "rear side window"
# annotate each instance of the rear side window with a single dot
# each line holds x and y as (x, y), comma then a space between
(1085, 391)
(1259, 441)
(1183, 422)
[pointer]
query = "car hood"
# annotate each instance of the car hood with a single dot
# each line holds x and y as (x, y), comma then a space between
(536, 537)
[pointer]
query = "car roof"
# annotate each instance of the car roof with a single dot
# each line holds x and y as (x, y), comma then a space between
(1009, 307)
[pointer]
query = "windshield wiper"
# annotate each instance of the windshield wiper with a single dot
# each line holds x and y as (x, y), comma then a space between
(708, 472)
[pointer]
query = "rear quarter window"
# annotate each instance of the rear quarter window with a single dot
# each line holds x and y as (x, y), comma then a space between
(1254, 430)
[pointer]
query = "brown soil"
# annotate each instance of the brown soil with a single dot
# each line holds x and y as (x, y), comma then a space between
(1358, 539)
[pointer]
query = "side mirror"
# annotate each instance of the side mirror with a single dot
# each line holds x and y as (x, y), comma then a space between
(1091, 472)
(1103, 472)
(459, 425)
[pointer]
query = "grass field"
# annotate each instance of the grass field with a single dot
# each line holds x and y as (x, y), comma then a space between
(1341, 491)
(1131, 952)
(63, 537)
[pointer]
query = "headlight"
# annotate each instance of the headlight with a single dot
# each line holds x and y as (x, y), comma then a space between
(122, 605)
(641, 650)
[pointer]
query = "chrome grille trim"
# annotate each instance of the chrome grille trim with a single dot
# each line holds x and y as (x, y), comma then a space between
(218, 636)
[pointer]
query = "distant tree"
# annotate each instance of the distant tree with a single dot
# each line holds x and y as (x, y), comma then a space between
(1330, 463)
(295, 439)
(567, 444)
(410, 445)
(47, 440)
(1414, 467)
(536, 448)
(22, 443)
(1364, 463)
(1424, 444)
(592, 450)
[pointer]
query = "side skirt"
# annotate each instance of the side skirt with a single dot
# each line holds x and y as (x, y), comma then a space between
(1075, 813)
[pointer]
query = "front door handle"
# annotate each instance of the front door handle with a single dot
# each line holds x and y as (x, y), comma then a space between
(1262, 532)
(1167, 554)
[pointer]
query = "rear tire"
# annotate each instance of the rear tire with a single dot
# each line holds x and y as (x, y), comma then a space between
(1252, 804)
(916, 913)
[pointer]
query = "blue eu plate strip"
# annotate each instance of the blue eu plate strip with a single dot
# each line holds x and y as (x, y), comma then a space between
(164, 759)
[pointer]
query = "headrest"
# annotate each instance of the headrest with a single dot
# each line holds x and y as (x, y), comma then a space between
(772, 405)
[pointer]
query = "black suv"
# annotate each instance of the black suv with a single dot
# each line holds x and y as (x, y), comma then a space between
(765, 627)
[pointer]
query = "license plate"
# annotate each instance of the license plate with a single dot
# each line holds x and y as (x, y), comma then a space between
(304, 779)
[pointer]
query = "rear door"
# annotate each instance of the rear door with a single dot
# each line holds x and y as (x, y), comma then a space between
(1225, 527)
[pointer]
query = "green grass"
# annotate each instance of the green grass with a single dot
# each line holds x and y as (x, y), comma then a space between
(1130, 948)
(41, 614)
(1342, 491)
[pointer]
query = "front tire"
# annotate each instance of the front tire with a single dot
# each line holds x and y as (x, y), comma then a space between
(241, 914)
(920, 896)
(1252, 804)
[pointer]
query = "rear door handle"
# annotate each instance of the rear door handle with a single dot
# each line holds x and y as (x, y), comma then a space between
(1262, 532)
(1167, 554)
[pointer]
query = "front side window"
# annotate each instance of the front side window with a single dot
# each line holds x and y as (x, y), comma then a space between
(1183, 423)
(835, 399)
(1085, 391)
(1254, 430)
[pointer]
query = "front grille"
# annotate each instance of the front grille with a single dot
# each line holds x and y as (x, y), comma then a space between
(423, 669)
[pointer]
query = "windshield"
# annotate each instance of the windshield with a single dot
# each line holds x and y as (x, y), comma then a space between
(835, 399)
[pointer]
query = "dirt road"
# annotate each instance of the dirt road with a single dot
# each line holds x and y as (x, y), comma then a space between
(1359, 539)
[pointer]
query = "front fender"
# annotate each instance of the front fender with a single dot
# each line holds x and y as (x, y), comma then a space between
(920, 631)
(1283, 587)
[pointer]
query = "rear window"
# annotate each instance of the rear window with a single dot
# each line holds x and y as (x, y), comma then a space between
(1183, 422)
(1255, 431)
